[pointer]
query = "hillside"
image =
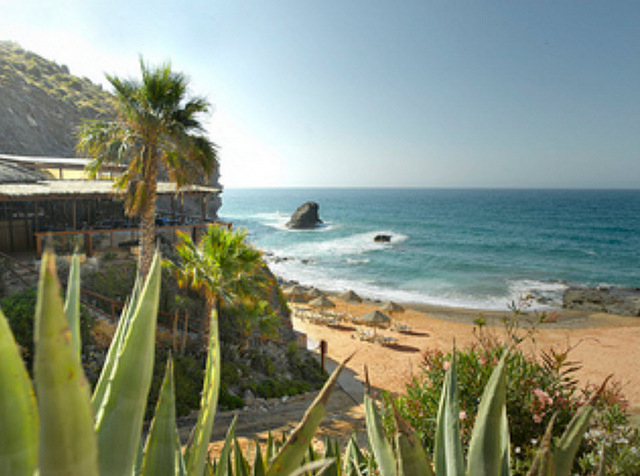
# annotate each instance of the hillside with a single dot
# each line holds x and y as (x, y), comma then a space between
(42, 103)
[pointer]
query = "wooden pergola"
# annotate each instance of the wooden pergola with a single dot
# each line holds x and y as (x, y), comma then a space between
(33, 212)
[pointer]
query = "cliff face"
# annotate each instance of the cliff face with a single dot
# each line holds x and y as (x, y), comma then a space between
(42, 104)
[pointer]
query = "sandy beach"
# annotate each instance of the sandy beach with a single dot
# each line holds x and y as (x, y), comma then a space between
(604, 344)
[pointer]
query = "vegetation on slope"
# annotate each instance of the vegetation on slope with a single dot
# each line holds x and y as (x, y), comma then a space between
(43, 104)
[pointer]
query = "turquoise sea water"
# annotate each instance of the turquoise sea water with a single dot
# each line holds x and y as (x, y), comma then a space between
(465, 248)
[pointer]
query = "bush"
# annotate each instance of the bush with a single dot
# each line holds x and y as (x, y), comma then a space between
(535, 392)
(19, 309)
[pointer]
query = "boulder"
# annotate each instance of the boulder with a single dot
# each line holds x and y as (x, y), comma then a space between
(612, 300)
(305, 217)
(382, 238)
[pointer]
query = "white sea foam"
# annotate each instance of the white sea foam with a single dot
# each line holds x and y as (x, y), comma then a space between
(311, 275)
(357, 261)
(278, 220)
(544, 295)
(351, 245)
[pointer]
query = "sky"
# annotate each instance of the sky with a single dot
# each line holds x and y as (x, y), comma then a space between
(372, 93)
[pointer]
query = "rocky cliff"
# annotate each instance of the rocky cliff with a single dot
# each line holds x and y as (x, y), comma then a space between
(42, 104)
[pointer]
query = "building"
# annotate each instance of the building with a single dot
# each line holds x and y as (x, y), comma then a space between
(36, 207)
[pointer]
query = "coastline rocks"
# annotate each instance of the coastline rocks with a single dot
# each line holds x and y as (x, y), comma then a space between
(621, 301)
(382, 238)
(305, 217)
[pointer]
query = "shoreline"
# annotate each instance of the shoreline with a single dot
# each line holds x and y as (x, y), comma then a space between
(603, 343)
(566, 318)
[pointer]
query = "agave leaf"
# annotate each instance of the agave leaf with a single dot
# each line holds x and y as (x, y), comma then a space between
(72, 303)
(543, 462)
(320, 465)
(271, 449)
(380, 447)
(120, 417)
(292, 453)
(196, 453)
(331, 453)
(162, 452)
(241, 464)
(486, 449)
(100, 390)
(353, 458)
(258, 463)
(412, 458)
(67, 443)
(18, 410)
(448, 456)
(223, 467)
(569, 442)
(505, 441)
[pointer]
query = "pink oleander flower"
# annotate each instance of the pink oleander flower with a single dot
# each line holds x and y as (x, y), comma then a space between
(537, 418)
(462, 415)
(446, 364)
(543, 397)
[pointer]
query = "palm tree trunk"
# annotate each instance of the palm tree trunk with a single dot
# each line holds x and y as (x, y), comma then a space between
(212, 302)
(148, 217)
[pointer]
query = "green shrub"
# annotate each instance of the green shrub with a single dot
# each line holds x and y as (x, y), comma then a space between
(19, 309)
(535, 393)
(611, 441)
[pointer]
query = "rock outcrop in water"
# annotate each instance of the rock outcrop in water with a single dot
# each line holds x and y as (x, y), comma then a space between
(305, 217)
(621, 301)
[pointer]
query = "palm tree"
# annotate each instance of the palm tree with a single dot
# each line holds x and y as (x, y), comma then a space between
(157, 125)
(222, 265)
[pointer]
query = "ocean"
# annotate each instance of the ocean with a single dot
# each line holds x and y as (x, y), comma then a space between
(478, 248)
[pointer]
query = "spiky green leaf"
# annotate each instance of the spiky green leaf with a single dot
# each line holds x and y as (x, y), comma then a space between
(162, 452)
(241, 464)
(486, 448)
(120, 417)
(380, 447)
(412, 458)
(67, 443)
(100, 390)
(259, 468)
(223, 466)
(448, 456)
(18, 410)
(292, 453)
(196, 453)
(569, 442)
(72, 303)
(543, 462)
(353, 458)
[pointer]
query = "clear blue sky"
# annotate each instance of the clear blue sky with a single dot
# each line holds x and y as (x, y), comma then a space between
(442, 93)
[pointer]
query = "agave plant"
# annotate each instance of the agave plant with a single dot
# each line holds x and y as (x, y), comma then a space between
(68, 431)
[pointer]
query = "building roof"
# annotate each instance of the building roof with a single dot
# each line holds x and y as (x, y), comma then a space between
(39, 162)
(12, 174)
(68, 189)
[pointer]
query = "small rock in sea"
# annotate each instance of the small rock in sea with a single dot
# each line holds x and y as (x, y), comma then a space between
(382, 238)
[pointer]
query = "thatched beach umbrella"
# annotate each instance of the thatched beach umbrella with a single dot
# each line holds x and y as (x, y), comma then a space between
(296, 294)
(295, 289)
(322, 302)
(375, 319)
(315, 293)
(391, 306)
(350, 297)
